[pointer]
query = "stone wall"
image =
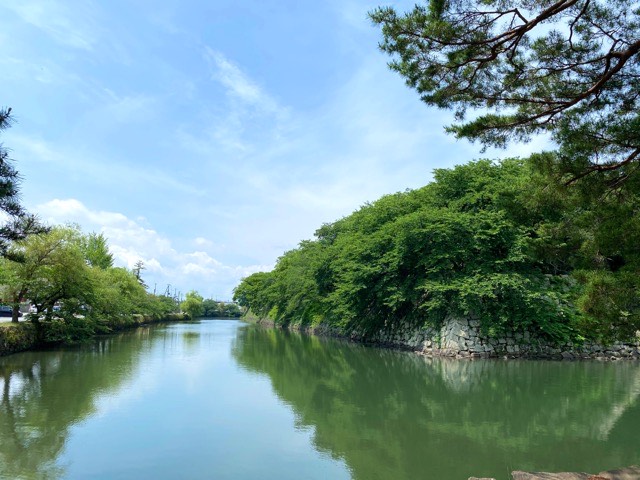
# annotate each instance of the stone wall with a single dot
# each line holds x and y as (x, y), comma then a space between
(463, 338)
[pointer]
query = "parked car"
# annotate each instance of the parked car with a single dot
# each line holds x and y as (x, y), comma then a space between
(6, 311)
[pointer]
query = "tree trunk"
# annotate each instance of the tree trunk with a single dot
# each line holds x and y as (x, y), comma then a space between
(15, 313)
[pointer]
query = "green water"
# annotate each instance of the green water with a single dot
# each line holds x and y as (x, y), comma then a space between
(220, 399)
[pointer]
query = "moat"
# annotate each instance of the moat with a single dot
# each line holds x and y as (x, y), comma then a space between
(227, 400)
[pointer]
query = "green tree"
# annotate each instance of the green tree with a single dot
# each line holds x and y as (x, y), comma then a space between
(19, 223)
(231, 310)
(483, 240)
(570, 68)
(256, 292)
(52, 268)
(211, 308)
(193, 304)
(117, 294)
(165, 304)
(96, 250)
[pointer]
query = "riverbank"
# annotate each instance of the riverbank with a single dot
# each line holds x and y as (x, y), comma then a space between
(463, 338)
(18, 337)
(629, 473)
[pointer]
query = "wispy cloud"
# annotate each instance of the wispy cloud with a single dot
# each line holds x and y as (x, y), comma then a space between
(122, 108)
(73, 27)
(248, 117)
(321, 164)
(107, 171)
(238, 84)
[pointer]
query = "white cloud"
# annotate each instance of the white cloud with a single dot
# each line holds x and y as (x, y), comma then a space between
(202, 242)
(130, 242)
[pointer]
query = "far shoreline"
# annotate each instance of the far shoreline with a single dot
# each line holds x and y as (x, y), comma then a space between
(609, 353)
(27, 335)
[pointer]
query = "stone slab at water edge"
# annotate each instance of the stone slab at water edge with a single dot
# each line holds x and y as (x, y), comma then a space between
(464, 338)
(629, 473)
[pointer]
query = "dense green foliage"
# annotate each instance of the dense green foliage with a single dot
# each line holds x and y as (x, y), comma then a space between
(197, 306)
(212, 308)
(69, 278)
(567, 67)
(484, 239)
(96, 251)
(192, 304)
(550, 244)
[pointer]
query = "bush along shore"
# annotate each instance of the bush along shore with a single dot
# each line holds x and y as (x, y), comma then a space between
(31, 335)
(490, 259)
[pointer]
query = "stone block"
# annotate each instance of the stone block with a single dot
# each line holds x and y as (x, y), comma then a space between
(518, 475)
(629, 473)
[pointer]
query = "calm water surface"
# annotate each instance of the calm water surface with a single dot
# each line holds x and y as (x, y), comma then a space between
(225, 400)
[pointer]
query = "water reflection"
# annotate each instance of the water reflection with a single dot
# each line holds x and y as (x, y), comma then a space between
(394, 415)
(177, 402)
(43, 397)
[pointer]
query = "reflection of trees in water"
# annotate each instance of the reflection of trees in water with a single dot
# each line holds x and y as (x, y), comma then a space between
(45, 393)
(191, 342)
(395, 415)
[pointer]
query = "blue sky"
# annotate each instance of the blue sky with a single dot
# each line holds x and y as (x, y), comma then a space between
(208, 137)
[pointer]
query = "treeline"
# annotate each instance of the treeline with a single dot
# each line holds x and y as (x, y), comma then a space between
(550, 244)
(496, 240)
(195, 305)
(68, 279)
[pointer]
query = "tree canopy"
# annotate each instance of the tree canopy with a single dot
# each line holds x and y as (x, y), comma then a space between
(567, 67)
(19, 223)
(96, 251)
(484, 240)
(193, 304)
(69, 278)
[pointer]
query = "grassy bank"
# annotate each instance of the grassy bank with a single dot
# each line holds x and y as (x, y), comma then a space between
(28, 335)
